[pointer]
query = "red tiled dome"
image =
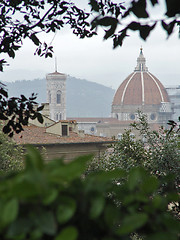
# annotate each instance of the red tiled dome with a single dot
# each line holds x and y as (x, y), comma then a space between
(140, 87)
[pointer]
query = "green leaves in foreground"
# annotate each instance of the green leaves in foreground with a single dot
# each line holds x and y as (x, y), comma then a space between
(55, 201)
(9, 211)
(69, 233)
(132, 223)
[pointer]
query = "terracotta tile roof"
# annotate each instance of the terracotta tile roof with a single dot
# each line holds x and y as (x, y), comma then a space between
(38, 135)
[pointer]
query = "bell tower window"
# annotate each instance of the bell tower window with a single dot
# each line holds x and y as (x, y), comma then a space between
(58, 97)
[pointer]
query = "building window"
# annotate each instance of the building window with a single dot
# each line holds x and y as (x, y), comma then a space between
(64, 130)
(92, 129)
(132, 116)
(58, 97)
(58, 116)
(153, 116)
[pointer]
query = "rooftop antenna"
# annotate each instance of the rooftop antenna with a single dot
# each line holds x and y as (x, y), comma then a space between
(55, 64)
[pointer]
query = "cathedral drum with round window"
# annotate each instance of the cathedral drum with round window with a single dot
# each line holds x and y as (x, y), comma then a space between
(153, 117)
(132, 116)
(92, 130)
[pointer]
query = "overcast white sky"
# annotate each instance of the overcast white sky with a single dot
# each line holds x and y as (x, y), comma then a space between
(95, 60)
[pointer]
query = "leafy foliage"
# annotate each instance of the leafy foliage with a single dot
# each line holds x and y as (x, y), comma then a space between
(21, 19)
(116, 15)
(16, 111)
(53, 201)
(156, 151)
(11, 156)
(25, 19)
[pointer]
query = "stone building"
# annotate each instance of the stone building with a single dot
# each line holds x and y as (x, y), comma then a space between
(174, 96)
(61, 139)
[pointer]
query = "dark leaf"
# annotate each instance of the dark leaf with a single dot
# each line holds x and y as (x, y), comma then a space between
(23, 98)
(132, 222)
(154, 2)
(3, 92)
(11, 134)
(112, 29)
(46, 222)
(134, 26)
(145, 30)
(32, 116)
(68, 233)
(173, 7)
(9, 211)
(107, 21)
(48, 54)
(139, 9)
(39, 52)
(66, 209)
(25, 121)
(2, 63)
(94, 5)
(11, 53)
(18, 227)
(35, 39)
(168, 27)
(3, 117)
(118, 39)
(97, 206)
(122, 7)
(6, 129)
(27, 18)
(40, 118)
(40, 108)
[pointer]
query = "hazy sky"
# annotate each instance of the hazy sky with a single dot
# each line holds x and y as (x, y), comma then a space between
(95, 60)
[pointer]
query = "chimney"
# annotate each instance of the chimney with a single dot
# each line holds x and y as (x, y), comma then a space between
(81, 133)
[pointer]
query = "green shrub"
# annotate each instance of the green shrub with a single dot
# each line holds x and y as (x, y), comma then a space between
(156, 151)
(11, 156)
(54, 202)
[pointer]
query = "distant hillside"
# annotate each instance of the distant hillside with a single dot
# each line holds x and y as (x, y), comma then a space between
(84, 98)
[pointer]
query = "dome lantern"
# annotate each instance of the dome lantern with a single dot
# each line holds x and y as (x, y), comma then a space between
(141, 63)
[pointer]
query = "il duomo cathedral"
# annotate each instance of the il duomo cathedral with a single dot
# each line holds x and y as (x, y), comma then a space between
(141, 90)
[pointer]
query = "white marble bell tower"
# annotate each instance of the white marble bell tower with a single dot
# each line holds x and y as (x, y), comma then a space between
(56, 95)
